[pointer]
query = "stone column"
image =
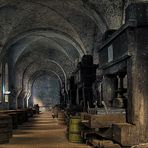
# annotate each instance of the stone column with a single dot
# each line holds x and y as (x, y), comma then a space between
(137, 69)
(12, 98)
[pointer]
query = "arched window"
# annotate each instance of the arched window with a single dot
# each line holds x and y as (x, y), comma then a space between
(1, 94)
(6, 87)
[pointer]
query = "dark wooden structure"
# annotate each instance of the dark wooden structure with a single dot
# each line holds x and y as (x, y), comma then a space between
(125, 53)
(123, 62)
(10, 119)
(80, 84)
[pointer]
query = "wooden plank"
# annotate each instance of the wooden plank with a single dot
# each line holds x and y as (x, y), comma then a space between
(112, 146)
(144, 145)
(100, 143)
(103, 120)
(95, 142)
(104, 143)
(125, 134)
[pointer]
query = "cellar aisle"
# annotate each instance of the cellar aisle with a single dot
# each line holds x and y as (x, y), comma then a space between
(41, 132)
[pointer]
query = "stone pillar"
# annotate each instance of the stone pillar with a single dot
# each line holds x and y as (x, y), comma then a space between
(30, 101)
(137, 69)
(25, 102)
(12, 103)
(138, 82)
(20, 103)
(12, 99)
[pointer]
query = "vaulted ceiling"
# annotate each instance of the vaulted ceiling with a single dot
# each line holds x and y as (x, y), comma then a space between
(52, 35)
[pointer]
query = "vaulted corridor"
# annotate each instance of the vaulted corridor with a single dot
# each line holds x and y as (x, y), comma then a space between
(42, 131)
(84, 62)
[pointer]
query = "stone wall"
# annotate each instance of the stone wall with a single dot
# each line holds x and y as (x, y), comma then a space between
(45, 92)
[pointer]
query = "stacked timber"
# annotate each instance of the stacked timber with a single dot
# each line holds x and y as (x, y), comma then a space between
(13, 116)
(18, 116)
(5, 128)
(9, 119)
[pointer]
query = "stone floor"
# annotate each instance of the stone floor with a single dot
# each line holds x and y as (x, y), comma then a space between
(41, 132)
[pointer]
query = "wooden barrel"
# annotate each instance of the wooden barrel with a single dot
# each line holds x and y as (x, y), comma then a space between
(5, 128)
(61, 118)
(75, 128)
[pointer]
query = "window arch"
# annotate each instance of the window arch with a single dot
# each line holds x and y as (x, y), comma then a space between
(5, 85)
(1, 94)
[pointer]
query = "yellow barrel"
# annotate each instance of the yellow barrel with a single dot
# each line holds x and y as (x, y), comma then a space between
(75, 125)
(75, 128)
(75, 138)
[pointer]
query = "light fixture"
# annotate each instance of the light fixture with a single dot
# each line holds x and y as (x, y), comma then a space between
(7, 92)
